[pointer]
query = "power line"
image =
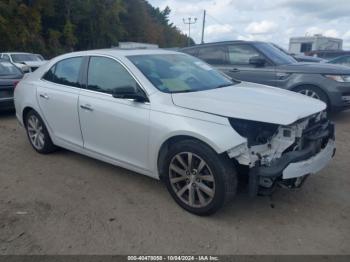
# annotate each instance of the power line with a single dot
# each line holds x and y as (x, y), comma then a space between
(216, 20)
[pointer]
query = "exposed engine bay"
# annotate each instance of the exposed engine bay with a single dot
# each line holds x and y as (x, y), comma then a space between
(270, 148)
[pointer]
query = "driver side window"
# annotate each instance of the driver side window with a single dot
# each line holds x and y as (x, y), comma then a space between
(241, 54)
(107, 75)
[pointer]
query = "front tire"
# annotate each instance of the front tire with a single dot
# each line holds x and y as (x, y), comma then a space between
(313, 92)
(37, 133)
(199, 180)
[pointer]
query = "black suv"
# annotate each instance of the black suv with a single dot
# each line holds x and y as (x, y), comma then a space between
(262, 63)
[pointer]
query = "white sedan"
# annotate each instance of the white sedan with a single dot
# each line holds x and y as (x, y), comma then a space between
(171, 116)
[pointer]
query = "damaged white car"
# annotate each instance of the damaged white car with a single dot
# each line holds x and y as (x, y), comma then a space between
(172, 117)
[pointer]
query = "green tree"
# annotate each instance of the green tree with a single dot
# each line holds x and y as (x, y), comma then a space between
(52, 27)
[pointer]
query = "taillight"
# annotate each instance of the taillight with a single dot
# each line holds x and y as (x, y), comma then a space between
(15, 84)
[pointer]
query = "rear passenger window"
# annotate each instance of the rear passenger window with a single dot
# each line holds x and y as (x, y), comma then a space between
(49, 76)
(65, 72)
(214, 55)
(107, 75)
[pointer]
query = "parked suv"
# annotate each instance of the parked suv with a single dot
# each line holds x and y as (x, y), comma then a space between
(262, 63)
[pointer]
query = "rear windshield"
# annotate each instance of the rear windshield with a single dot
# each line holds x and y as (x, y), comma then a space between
(24, 57)
(8, 69)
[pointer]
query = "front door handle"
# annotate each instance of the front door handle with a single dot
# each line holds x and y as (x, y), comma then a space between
(86, 107)
(234, 70)
(45, 96)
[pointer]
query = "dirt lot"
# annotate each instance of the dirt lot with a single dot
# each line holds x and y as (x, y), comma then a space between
(66, 203)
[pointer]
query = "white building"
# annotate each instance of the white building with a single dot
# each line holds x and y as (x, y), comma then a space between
(299, 45)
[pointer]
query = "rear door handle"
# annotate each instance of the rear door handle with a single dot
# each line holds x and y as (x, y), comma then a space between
(45, 96)
(86, 107)
(234, 70)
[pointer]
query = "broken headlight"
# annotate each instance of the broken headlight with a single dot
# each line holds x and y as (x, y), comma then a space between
(257, 133)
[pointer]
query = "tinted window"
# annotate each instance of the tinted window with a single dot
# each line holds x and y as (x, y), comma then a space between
(176, 73)
(65, 72)
(49, 76)
(106, 75)
(214, 55)
(24, 57)
(6, 68)
(241, 54)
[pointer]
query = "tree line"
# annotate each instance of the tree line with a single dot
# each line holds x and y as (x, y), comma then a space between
(53, 27)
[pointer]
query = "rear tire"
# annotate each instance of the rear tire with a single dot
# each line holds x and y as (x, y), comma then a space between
(199, 180)
(37, 133)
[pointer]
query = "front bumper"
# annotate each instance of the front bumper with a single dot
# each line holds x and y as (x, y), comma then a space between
(339, 97)
(311, 165)
(294, 166)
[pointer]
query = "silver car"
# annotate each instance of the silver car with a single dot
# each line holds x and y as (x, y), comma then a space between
(173, 117)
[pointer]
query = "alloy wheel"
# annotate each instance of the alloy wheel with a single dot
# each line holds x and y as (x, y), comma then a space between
(191, 179)
(35, 132)
(310, 93)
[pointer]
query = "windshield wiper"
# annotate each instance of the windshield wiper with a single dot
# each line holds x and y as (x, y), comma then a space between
(182, 91)
(224, 85)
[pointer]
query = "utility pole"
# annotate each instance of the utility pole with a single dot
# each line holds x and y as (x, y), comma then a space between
(204, 16)
(189, 22)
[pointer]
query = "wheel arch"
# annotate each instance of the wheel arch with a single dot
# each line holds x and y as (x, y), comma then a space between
(25, 112)
(165, 146)
(298, 86)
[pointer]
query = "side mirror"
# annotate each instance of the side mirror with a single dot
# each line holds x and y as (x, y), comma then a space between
(129, 92)
(257, 61)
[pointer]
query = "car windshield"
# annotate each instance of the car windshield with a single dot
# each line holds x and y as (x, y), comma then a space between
(17, 58)
(276, 55)
(8, 69)
(179, 73)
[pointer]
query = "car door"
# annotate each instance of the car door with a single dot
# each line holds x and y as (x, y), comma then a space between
(239, 65)
(113, 127)
(57, 94)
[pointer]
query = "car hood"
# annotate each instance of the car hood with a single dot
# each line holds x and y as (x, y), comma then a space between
(304, 58)
(251, 102)
(315, 68)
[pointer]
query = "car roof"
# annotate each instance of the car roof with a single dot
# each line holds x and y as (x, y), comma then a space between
(222, 42)
(14, 53)
(116, 52)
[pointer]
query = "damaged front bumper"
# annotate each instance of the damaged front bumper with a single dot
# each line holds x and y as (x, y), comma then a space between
(292, 168)
(299, 163)
(311, 165)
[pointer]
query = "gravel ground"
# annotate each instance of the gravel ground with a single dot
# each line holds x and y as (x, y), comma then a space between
(65, 203)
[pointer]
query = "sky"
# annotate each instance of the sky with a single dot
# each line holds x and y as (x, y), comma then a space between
(266, 20)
